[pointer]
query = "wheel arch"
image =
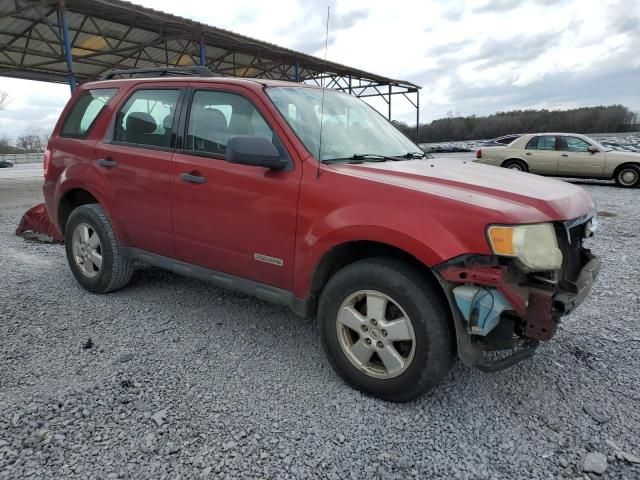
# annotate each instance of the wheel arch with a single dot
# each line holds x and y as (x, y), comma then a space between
(70, 200)
(512, 159)
(346, 253)
(623, 165)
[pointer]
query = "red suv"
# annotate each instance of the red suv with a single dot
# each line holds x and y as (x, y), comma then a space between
(311, 199)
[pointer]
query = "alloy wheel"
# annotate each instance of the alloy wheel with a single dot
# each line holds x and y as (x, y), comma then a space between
(376, 334)
(87, 250)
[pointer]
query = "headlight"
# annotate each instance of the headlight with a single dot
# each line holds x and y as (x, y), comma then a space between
(535, 246)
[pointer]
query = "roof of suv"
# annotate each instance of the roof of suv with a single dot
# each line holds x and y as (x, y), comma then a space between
(166, 79)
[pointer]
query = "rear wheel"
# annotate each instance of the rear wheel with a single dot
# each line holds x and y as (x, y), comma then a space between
(516, 165)
(384, 329)
(628, 176)
(95, 258)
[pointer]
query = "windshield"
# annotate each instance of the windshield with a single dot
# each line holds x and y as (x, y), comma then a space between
(350, 127)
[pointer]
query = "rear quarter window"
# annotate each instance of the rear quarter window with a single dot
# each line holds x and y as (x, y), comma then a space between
(85, 111)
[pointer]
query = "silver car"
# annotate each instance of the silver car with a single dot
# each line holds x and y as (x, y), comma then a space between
(564, 155)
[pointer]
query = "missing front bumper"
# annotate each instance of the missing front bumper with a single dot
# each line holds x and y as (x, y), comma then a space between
(567, 302)
(537, 308)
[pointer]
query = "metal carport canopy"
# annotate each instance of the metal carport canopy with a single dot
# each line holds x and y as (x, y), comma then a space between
(79, 40)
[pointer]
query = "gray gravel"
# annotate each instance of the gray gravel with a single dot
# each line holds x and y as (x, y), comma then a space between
(172, 378)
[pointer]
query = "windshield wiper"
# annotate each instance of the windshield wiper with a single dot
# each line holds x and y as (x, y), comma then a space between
(414, 155)
(360, 157)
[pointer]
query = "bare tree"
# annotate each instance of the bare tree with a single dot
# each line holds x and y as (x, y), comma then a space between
(29, 143)
(4, 100)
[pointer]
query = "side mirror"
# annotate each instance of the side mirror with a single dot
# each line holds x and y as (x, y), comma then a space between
(254, 150)
(593, 149)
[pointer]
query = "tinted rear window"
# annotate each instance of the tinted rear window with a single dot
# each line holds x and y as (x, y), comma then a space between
(506, 140)
(85, 111)
(542, 143)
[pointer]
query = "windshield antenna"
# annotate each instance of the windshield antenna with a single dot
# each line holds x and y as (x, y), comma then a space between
(326, 67)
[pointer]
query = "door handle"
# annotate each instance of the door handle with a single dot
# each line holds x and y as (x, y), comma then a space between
(107, 162)
(565, 155)
(528, 153)
(191, 178)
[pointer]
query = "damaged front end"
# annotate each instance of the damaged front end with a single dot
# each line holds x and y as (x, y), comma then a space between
(502, 309)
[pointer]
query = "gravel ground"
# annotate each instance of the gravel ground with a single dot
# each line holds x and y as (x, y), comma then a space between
(172, 378)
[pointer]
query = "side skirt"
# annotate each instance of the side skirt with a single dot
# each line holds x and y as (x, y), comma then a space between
(268, 293)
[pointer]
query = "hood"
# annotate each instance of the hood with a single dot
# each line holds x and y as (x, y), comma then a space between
(517, 197)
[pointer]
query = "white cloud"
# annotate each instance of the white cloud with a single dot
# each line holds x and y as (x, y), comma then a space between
(473, 57)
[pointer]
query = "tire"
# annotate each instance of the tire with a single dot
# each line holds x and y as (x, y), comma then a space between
(628, 176)
(114, 270)
(426, 359)
(516, 165)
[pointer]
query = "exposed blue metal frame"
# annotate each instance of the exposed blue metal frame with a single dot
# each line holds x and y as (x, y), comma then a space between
(66, 47)
(203, 59)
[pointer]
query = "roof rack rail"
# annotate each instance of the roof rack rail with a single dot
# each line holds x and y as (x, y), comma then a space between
(195, 71)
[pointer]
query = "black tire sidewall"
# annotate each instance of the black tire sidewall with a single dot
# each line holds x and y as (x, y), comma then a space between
(87, 215)
(523, 166)
(433, 350)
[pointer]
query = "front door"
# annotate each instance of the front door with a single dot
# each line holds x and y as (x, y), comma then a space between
(576, 160)
(135, 158)
(541, 155)
(232, 218)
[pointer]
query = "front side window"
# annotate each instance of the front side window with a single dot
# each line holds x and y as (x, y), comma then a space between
(217, 116)
(146, 118)
(542, 143)
(348, 125)
(574, 144)
(85, 111)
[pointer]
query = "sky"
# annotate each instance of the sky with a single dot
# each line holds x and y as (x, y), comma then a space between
(469, 57)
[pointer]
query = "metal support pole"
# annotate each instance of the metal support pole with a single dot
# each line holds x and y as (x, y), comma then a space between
(389, 116)
(417, 116)
(203, 59)
(297, 65)
(66, 46)
(350, 91)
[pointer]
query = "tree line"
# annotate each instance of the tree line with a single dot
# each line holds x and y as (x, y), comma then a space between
(29, 142)
(600, 119)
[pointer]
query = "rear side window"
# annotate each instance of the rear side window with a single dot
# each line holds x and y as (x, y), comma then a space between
(146, 118)
(542, 143)
(85, 111)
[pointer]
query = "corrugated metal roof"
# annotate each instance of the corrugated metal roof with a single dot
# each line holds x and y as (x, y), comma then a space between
(108, 34)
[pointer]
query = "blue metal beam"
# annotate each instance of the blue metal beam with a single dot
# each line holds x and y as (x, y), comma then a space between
(297, 71)
(66, 46)
(203, 59)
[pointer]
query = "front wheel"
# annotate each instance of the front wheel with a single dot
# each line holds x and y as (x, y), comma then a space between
(628, 176)
(385, 330)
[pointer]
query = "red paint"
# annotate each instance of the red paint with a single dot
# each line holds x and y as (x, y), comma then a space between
(433, 209)
(497, 277)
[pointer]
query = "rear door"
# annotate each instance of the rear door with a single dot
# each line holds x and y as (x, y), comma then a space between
(135, 157)
(237, 219)
(541, 155)
(576, 159)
